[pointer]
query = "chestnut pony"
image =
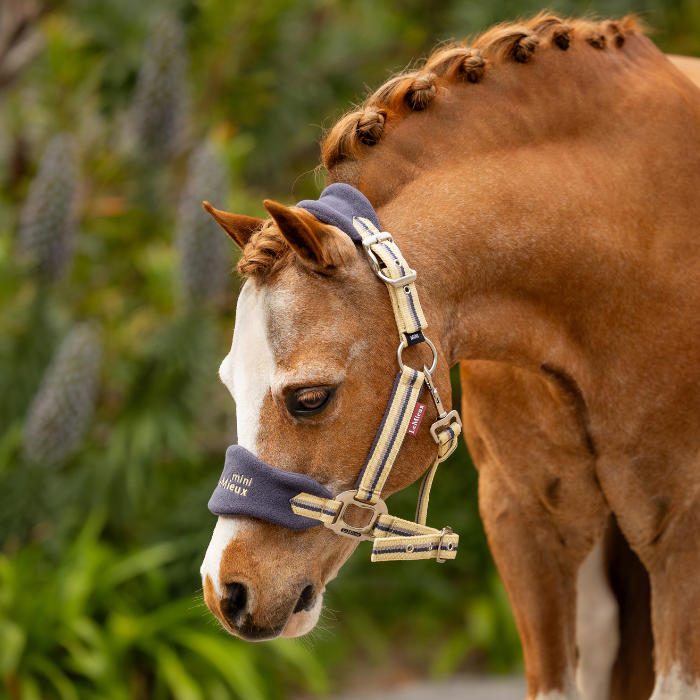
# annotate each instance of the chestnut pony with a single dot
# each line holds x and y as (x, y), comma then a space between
(545, 184)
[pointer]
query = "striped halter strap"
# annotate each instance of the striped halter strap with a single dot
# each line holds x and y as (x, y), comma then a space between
(393, 538)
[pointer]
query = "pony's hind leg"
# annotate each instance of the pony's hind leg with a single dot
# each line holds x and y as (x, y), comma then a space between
(542, 508)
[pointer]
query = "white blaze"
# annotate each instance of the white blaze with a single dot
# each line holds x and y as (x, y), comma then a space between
(226, 529)
(246, 372)
(247, 369)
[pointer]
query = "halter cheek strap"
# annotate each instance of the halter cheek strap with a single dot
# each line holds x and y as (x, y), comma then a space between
(251, 487)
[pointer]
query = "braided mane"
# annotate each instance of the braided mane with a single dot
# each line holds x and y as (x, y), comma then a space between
(357, 131)
(414, 89)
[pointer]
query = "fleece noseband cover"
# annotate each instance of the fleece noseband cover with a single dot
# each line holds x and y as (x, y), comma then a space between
(249, 486)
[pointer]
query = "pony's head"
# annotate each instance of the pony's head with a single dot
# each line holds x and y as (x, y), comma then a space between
(311, 369)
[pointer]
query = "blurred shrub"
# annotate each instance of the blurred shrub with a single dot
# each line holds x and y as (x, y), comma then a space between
(95, 625)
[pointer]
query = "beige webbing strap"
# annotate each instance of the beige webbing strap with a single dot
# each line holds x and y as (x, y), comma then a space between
(390, 436)
(324, 509)
(404, 297)
(393, 538)
(397, 539)
(447, 445)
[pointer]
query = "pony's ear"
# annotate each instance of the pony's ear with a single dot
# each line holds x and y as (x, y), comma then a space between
(238, 226)
(316, 244)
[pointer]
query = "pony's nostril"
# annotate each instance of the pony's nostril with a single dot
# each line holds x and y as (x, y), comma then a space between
(306, 599)
(235, 600)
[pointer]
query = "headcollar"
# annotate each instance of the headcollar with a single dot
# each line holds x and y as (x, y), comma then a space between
(249, 486)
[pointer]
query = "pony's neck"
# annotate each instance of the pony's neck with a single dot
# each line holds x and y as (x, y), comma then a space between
(535, 210)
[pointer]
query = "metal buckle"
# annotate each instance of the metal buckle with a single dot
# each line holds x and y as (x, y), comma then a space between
(443, 418)
(438, 558)
(340, 527)
(367, 243)
(442, 422)
(412, 276)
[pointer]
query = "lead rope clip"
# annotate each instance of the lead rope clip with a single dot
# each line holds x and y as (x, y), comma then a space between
(444, 418)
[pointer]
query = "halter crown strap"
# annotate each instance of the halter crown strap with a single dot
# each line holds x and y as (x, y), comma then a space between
(393, 538)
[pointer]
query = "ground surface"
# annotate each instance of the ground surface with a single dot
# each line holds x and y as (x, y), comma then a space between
(460, 688)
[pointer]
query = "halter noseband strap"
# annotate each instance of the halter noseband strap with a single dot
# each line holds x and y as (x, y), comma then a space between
(269, 494)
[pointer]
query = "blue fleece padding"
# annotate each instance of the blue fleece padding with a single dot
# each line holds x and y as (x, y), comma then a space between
(337, 205)
(249, 486)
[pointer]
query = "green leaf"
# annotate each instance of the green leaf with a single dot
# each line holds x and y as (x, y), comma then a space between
(141, 562)
(12, 643)
(30, 689)
(56, 677)
(234, 662)
(181, 684)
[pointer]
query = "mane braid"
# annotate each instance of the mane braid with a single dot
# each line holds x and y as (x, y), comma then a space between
(414, 90)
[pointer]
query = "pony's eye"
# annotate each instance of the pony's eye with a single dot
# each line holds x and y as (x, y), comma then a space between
(308, 401)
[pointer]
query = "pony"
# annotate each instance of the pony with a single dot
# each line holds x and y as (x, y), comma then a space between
(542, 181)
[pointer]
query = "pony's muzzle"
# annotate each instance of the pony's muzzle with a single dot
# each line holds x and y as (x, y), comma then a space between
(239, 607)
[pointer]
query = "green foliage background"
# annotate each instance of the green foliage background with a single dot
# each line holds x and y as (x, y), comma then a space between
(99, 587)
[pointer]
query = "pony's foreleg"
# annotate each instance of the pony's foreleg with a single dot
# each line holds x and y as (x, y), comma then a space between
(673, 562)
(542, 591)
(657, 507)
(543, 511)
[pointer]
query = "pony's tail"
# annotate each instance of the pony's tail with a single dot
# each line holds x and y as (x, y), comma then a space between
(633, 673)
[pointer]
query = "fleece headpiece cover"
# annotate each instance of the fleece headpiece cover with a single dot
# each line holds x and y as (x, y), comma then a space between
(337, 206)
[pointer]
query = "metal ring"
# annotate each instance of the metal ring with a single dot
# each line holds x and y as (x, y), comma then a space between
(432, 347)
(409, 549)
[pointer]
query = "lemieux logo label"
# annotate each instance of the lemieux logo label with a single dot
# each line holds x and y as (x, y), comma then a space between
(416, 418)
(414, 338)
(231, 483)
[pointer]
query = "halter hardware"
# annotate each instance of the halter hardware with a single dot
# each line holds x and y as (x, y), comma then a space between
(404, 345)
(385, 237)
(448, 546)
(341, 527)
(444, 419)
